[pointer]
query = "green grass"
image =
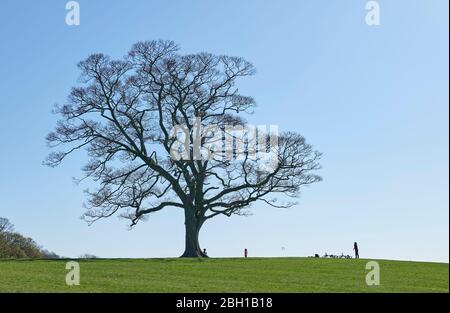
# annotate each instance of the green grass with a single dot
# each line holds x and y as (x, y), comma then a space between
(222, 275)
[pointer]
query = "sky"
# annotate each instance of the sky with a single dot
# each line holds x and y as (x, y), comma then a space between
(373, 99)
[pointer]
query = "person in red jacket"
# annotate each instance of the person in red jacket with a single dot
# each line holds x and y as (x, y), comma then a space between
(245, 252)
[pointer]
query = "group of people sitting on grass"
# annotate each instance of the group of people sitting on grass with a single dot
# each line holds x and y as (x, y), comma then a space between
(342, 256)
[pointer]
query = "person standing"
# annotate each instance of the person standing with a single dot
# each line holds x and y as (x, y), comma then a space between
(245, 252)
(356, 249)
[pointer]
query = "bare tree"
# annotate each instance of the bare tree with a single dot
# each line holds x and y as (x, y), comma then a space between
(5, 225)
(123, 115)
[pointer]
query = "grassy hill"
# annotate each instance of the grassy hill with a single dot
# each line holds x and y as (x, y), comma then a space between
(222, 275)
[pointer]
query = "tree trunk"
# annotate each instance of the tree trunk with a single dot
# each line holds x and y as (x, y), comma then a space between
(192, 246)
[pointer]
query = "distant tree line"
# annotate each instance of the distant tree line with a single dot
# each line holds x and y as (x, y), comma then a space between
(15, 246)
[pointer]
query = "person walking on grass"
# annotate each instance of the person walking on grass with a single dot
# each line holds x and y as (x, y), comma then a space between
(355, 247)
(245, 252)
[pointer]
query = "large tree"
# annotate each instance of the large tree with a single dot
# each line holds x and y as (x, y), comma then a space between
(124, 115)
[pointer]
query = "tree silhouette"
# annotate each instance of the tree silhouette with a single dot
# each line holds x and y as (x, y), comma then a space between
(125, 114)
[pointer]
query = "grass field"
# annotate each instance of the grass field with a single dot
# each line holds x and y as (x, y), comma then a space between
(222, 275)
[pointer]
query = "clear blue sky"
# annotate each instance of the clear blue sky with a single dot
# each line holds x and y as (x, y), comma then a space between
(374, 100)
